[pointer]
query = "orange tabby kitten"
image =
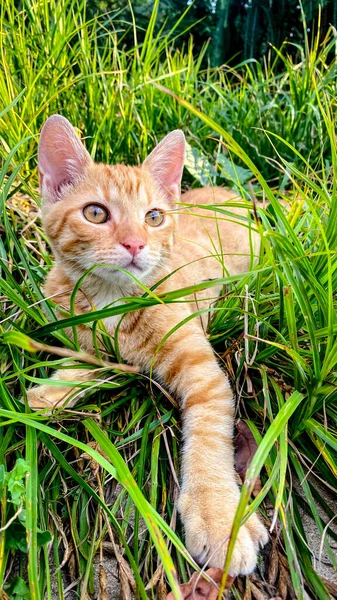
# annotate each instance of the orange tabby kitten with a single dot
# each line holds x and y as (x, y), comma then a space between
(122, 216)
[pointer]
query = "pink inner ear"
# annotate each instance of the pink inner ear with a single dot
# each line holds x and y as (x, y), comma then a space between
(166, 163)
(62, 157)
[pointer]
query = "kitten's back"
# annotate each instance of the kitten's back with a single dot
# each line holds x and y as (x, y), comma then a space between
(203, 232)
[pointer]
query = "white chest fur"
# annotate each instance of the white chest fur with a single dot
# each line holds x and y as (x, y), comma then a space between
(107, 299)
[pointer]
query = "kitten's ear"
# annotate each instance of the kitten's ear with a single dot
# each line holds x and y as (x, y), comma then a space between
(62, 157)
(166, 163)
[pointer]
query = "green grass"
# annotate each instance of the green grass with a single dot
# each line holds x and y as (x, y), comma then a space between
(275, 328)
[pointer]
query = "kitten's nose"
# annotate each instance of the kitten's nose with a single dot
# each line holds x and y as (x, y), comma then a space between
(133, 245)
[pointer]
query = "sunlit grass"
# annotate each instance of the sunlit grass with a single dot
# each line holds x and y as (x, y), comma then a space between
(274, 328)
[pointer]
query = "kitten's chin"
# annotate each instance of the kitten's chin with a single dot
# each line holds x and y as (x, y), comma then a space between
(134, 269)
(122, 278)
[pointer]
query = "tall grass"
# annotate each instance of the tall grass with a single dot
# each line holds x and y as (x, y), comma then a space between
(107, 470)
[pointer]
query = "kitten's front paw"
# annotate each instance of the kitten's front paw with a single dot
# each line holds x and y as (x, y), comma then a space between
(208, 517)
(48, 396)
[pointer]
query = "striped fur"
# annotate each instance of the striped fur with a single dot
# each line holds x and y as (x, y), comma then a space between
(185, 363)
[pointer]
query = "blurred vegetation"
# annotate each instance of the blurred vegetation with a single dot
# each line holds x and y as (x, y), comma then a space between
(234, 30)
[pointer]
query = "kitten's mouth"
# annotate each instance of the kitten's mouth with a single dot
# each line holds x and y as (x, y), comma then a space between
(132, 266)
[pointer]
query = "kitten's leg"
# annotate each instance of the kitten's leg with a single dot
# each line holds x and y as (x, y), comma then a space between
(210, 493)
(53, 397)
(56, 396)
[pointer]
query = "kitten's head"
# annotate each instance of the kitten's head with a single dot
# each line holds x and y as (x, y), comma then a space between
(116, 215)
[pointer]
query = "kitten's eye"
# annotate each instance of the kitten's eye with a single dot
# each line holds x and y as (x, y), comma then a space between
(154, 217)
(95, 213)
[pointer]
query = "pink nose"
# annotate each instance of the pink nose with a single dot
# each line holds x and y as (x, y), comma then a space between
(134, 246)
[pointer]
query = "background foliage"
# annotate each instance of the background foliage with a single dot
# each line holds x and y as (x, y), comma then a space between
(234, 30)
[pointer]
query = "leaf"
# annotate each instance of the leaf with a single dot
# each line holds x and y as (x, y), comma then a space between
(199, 166)
(43, 537)
(21, 468)
(12, 104)
(2, 480)
(17, 589)
(205, 172)
(200, 589)
(17, 490)
(16, 537)
(245, 448)
(232, 172)
(18, 339)
(26, 343)
(15, 481)
(22, 516)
